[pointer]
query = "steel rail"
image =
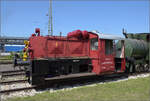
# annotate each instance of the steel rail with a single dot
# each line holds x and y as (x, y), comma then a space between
(17, 89)
(14, 81)
(13, 74)
(12, 71)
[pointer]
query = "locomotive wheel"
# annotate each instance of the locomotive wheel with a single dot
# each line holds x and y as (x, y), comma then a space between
(137, 68)
(146, 67)
(141, 68)
(132, 65)
(127, 68)
(131, 68)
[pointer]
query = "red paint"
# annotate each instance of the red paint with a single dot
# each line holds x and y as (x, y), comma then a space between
(37, 30)
(76, 33)
(33, 35)
(85, 34)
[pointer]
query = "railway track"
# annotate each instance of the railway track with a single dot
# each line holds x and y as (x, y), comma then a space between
(17, 89)
(58, 82)
(13, 81)
(9, 74)
(6, 61)
(12, 73)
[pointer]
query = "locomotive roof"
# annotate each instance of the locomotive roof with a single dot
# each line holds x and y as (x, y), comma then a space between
(108, 36)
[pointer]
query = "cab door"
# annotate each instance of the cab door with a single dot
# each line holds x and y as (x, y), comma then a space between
(107, 56)
(94, 54)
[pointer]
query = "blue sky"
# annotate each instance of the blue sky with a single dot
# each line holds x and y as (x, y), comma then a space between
(20, 18)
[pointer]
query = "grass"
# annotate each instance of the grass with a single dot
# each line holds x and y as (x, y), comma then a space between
(130, 90)
(9, 57)
(6, 59)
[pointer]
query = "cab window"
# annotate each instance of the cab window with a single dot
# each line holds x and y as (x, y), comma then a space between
(94, 44)
(108, 47)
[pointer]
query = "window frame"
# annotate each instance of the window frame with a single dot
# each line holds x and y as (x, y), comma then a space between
(109, 48)
(94, 47)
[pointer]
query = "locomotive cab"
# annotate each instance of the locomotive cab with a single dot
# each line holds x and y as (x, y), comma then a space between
(107, 58)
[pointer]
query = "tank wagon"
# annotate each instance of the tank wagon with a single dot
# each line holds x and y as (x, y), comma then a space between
(80, 52)
(137, 51)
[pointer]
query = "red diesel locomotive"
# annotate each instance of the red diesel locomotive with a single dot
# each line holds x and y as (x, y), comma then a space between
(80, 52)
